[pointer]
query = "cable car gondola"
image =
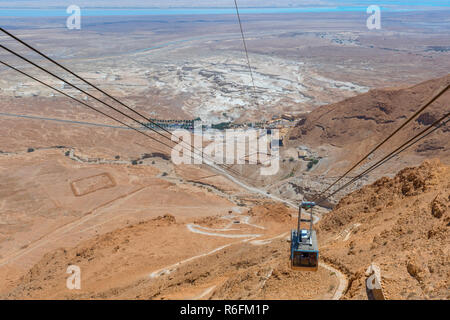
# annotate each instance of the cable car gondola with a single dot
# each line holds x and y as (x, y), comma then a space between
(304, 246)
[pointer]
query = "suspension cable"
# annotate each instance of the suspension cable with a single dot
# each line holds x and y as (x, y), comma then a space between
(425, 106)
(388, 157)
(227, 167)
(81, 102)
(245, 48)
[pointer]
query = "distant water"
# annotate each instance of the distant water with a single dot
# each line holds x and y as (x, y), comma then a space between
(101, 12)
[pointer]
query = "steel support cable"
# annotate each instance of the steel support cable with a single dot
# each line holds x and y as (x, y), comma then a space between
(400, 149)
(104, 103)
(82, 79)
(389, 156)
(79, 101)
(192, 149)
(245, 47)
(156, 140)
(77, 88)
(425, 106)
(85, 104)
(412, 143)
(251, 73)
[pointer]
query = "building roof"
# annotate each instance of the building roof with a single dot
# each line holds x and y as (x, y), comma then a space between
(310, 246)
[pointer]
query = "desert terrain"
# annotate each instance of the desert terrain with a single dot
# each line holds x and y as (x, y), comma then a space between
(79, 189)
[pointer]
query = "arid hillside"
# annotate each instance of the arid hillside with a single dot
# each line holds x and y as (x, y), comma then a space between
(369, 117)
(401, 225)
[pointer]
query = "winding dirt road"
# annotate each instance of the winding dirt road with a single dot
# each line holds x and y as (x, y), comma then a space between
(343, 282)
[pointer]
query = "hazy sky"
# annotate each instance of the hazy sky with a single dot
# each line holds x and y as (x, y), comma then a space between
(213, 3)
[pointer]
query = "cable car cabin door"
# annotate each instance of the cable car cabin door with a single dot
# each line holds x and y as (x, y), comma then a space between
(305, 261)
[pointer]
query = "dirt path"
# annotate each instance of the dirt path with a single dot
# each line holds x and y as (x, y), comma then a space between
(343, 283)
(174, 267)
(251, 238)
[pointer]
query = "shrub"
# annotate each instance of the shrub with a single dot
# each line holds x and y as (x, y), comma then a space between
(221, 126)
(312, 162)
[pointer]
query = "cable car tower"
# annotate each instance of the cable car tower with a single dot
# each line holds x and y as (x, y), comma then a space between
(304, 247)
